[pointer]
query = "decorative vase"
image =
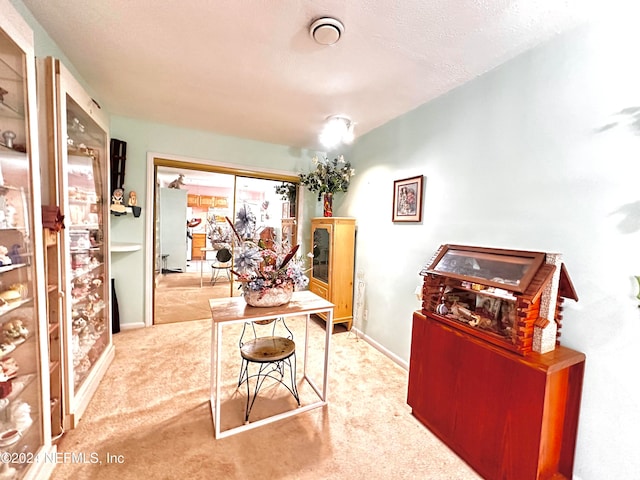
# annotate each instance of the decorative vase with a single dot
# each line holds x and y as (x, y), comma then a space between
(268, 297)
(328, 205)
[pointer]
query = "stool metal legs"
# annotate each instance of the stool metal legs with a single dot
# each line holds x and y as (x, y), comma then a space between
(270, 369)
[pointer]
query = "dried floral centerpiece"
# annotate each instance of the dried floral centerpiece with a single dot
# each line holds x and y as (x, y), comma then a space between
(219, 234)
(329, 177)
(268, 273)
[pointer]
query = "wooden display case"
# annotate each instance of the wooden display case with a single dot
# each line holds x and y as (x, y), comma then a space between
(25, 426)
(508, 416)
(76, 157)
(498, 295)
(333, 248)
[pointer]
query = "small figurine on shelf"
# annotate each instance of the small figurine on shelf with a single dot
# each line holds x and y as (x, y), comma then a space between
(4, 257)
(9, 137)
(15, 332)
(133, 203)
(117, 199)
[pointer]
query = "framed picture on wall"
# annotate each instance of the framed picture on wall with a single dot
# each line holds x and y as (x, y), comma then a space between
(407, 199)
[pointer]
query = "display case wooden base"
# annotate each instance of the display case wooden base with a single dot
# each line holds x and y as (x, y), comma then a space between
(507, 415)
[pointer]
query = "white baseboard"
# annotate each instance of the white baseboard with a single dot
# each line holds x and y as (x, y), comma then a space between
(132, 326)
(396, 359)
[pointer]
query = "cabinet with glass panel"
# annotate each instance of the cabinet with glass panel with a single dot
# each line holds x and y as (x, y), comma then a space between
(24, 399)
(333, 247)
(77, 157)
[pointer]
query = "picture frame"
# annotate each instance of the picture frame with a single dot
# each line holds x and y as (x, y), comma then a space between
(407, 199)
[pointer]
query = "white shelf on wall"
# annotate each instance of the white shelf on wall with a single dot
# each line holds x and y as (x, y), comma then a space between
(125, 247)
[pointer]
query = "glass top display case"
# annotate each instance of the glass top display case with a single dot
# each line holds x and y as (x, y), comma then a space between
(24, 421)
(499, 295)
(509, 269)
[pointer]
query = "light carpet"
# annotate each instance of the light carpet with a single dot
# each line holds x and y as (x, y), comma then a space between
(152, 412)
(180, 298)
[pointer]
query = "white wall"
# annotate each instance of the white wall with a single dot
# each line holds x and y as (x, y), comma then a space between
(518, 159)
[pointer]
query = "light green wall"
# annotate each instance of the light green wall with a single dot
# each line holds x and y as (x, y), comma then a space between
(128, 269)
(518, 159)
(44, 46)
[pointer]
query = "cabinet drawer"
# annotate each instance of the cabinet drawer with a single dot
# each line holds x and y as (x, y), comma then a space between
(320, 290)
(206, 201)
(193, 200)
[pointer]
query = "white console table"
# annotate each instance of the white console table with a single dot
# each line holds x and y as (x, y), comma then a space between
(225, 311)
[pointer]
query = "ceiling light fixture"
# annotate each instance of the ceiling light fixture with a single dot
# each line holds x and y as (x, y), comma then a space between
(337, 130)
(326, 31)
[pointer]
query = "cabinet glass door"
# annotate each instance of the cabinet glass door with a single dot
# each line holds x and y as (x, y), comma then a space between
(86, 241)
(21, 397)
(321, 253)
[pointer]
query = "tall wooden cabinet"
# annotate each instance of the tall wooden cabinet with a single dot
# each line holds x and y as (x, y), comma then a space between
(505, 414)
(333, 247)
(75, 158)
(24, 377)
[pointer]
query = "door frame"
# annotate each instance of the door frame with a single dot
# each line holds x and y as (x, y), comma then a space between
(155, 159)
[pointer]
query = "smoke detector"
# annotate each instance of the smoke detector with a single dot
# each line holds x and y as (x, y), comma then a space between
(326, 31)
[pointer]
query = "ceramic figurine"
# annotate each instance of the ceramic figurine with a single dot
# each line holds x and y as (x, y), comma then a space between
(8, 136)
(177, 183)
(117, 200)
(4, 257)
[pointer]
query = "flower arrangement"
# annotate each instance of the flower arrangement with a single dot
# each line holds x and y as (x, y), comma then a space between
(287, 190)
(261, 263)
(330, 176)
(218, 234)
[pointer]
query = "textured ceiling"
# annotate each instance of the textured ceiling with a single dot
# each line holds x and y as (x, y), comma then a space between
(250, 69)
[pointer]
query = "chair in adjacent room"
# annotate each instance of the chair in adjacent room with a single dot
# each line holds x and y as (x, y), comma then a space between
(221, 264)
(272, 355)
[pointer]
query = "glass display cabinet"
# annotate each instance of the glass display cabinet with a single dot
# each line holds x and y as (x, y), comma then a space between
(24, 399)
(498, 295)
(332, 270)
(78, 159)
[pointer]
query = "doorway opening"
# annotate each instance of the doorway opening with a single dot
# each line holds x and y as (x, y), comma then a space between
(192, 236)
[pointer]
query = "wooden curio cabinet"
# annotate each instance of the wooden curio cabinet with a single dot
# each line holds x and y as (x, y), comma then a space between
(333, 247)
(76, 159)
